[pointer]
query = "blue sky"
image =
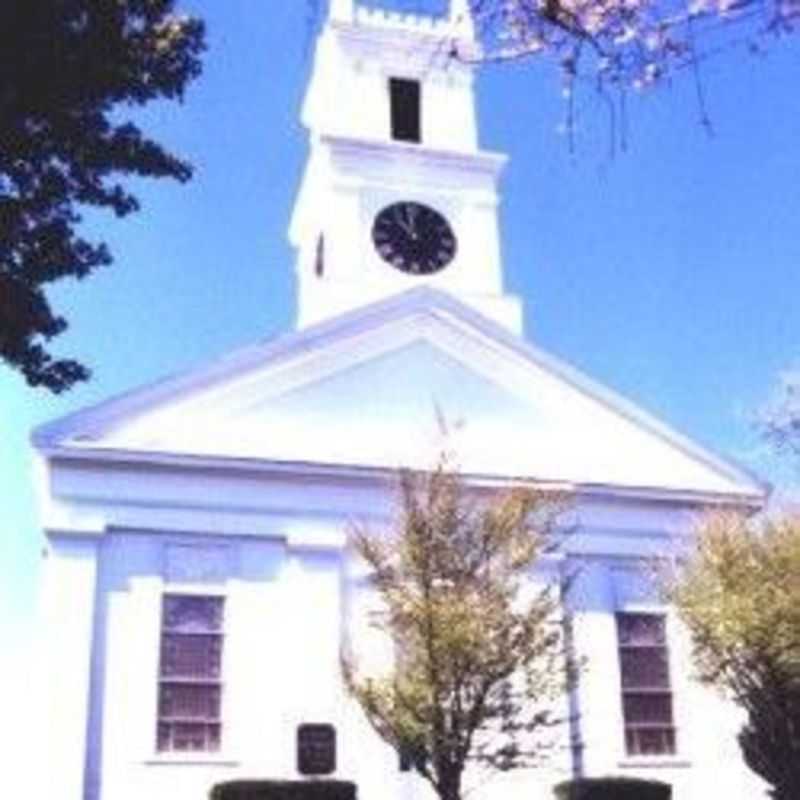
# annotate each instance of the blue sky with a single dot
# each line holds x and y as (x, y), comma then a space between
(669, 273)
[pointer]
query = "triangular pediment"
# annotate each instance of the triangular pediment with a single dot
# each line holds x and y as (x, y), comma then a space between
(373, 387)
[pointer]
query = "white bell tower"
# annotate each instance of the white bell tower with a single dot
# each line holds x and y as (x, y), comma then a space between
(397, 192)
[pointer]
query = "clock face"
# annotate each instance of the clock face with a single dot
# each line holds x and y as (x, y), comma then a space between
(414, 238)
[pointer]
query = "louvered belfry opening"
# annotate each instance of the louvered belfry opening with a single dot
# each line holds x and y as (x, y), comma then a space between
(405, 97)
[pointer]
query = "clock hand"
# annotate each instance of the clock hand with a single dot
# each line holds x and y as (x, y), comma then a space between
(412, 213)
(402, 221)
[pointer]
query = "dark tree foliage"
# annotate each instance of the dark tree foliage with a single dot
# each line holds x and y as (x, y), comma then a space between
(770, 740)
(67, 68)
(319, 789)
(612, 789)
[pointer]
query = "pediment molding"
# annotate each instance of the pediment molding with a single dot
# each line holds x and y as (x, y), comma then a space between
(223, 402)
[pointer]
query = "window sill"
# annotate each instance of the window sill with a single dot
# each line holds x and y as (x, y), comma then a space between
(192, 759)
(654, 762)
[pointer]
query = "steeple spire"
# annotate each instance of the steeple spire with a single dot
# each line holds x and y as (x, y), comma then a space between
(461, 19)
(342, 10)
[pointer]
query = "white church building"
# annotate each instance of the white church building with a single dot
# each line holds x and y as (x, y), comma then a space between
(197, 587)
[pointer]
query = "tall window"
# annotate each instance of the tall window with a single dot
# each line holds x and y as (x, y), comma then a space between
(646, 692)
(405, 102)
(190, 674)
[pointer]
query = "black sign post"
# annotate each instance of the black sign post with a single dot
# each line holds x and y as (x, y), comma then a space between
(316, 749)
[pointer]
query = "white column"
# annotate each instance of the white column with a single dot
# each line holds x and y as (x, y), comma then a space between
(67, 605)
(591, 599)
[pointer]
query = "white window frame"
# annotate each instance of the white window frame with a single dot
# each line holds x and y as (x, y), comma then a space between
(668, 690)
(205, 753)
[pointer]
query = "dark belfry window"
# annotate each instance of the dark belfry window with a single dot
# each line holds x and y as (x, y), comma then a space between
(405, 100)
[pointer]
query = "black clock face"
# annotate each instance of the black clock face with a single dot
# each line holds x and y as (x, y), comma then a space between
(414, 238)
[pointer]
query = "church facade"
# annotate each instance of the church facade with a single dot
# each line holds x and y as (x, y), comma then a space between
(197, 588)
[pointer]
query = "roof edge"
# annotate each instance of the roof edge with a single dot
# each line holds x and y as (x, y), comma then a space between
(422, 299)
(369, 473)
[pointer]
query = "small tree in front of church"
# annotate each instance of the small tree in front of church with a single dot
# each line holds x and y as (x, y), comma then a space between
(481, 660)
(738, 592)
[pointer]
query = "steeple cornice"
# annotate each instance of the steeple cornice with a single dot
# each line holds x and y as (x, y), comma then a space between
(479, 163)
(457, 24)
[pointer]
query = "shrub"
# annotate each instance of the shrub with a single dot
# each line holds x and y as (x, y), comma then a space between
(284, 790)
(612, 789)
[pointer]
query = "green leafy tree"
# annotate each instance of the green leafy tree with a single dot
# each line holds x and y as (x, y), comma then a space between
(481, 659)
(70, 67)
(739, 594)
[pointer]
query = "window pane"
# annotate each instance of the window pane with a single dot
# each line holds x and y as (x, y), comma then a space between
(164, 740)
(191, 614)
(644, 669)
(650, 741)
(189, 736)
(214, 735)
(641, 629)
(192, 656)
(648, 708)
(187, 701)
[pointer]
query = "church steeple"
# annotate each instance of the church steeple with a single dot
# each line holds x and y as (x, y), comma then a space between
(397, 191)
